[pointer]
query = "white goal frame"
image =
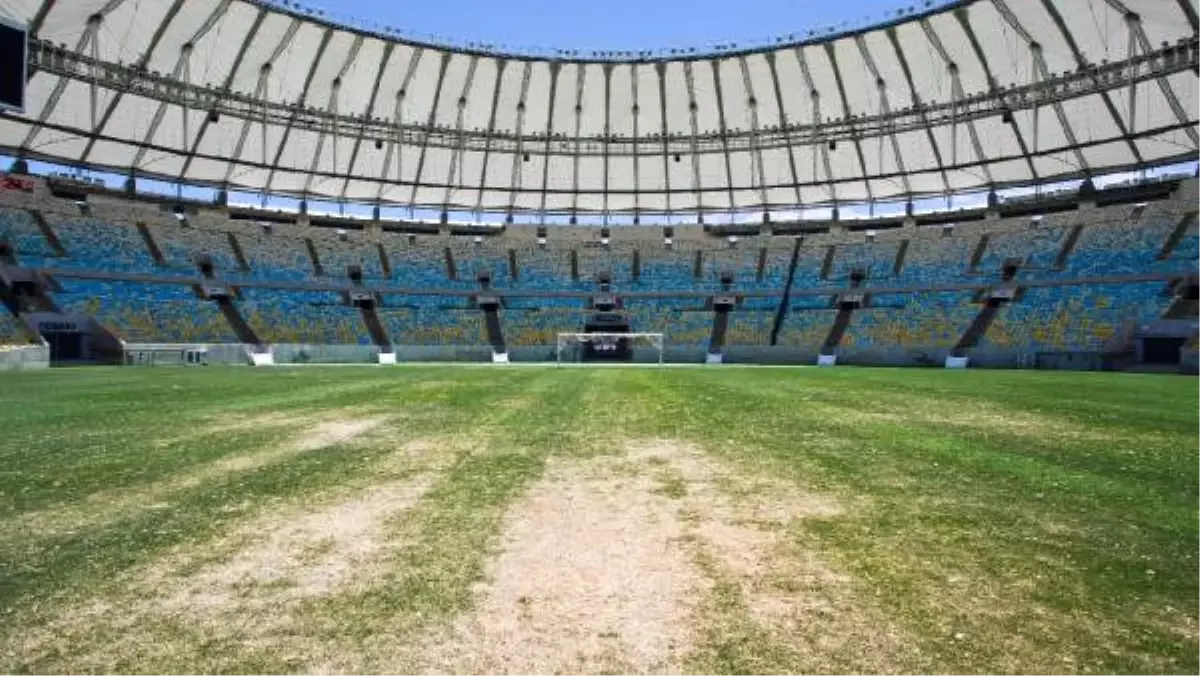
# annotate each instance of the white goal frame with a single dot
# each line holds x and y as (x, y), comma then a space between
(656, 341)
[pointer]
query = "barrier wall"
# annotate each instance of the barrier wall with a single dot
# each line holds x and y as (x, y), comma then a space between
(24, 357)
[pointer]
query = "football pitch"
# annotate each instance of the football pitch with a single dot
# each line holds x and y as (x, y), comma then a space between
(445, 519)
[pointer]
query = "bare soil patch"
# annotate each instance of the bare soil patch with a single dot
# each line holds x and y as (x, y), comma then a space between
(590, 578)
(296, 555)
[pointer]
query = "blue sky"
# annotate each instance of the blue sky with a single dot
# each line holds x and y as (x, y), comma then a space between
(611, 24)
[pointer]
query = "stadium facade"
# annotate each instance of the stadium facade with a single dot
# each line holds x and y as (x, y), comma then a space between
(943, 100)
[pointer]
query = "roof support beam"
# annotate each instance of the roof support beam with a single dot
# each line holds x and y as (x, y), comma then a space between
(817, 147)
(491, 128)
(635, 114)
(957, 89)
(233, 71)
(1190, 12)
(335, 93)
(693, 115)
(326, 36)
(758, 178)
(368, 113)
(723, 131)
(555, 70)
(182, 71)
(894, 40)
(86, 40)
(395, 145)
(437, 96)
(35, 26)
(661, 69)
(831, 54)
(520, 155)
(1039, 62)
(605, 145)
(964, 19)
(1135, 25)
(784, 123)
(460, 146)
(142, 61)
(886, 107)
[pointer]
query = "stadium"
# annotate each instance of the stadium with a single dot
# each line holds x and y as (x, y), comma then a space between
(328, 347)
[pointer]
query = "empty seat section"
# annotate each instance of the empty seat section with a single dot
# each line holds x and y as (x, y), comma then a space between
(276, 257)
(98, 245)
(742, 263)
(539, 321)
(936, 259)
(306, 317)
(875, 258)
(181, 247)
(11, 330)
(750, 327)
(487, 256)
(431, 320)
(684, 322)
(921, 320)
(1087, 318)
(548, 269)
(806, 327)
(146, 313)
(1037, 248)
(1126, 246)
(615, 259)
(18, 227)
(670, 270)
(337, 256)
(420, 264)
(808, 268)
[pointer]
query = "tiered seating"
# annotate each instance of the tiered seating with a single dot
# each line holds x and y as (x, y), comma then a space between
(806, 328)
(615, 259)
(876, 258)
(742, 261)
(276, 257)
(421, 265)
(1037, 247)
(488, 255)
(336, 256)
(547, 269)
(1082, 318)
(934, 259)
(684, 323)
(99, 245)
(524, 326)
(309, 317)
(19, 228)
(923, 320)
(750, 327)
(1126, 246)
(670, 270)
(808, 269)
(11, 332)
(180, 247)
(146, 313)
(434, 326)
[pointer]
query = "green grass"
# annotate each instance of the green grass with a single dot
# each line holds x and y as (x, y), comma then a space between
(986, 521)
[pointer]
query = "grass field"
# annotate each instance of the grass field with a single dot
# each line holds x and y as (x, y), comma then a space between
(603, 520)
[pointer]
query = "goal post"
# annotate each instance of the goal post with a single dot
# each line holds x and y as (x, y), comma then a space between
(570, 344)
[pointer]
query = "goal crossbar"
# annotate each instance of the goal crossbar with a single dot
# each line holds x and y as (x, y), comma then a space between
(656, 340)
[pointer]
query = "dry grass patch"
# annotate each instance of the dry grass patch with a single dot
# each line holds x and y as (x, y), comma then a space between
(108, 506)
(293, 555)
(777, 604)
(590, 578)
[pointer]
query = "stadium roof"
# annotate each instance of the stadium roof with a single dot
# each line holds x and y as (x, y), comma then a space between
(256, 96)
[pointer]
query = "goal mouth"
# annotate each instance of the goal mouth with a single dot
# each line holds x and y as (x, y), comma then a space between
(600, 345)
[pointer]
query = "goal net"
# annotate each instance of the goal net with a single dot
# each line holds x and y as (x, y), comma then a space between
(576, 347)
